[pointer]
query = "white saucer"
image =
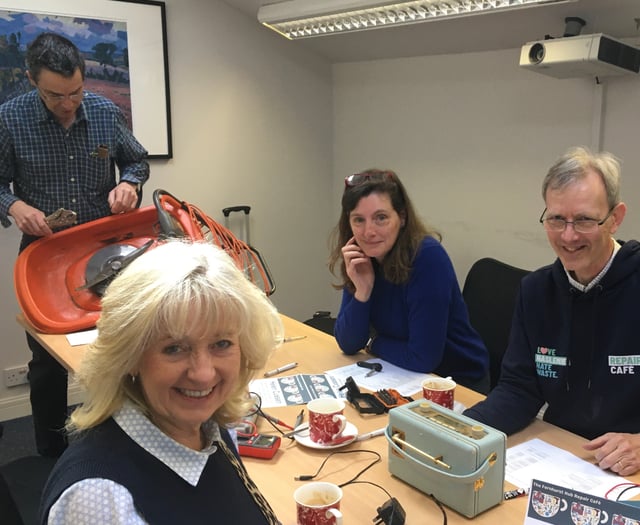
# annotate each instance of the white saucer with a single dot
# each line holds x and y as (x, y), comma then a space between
(303, 438)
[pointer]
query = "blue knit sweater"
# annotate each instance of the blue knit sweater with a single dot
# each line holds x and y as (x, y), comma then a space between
(422, 325)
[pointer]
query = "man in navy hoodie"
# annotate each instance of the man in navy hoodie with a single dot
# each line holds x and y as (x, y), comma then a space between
(574, 340)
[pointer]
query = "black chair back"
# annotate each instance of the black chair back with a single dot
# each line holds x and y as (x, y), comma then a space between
(490, 292)
(322, 320)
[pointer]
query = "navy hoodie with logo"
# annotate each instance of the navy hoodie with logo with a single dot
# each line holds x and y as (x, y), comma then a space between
(578, 352)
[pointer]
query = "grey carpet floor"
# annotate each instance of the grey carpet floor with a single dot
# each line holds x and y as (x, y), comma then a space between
(23, 471)
(17, 439)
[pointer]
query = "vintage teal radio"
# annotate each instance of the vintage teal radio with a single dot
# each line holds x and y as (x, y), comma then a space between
(448, 455)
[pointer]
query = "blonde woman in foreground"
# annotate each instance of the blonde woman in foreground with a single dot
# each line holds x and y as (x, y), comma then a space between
(180, 335)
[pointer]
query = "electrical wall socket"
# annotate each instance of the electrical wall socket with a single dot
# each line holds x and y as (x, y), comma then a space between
(16, 376)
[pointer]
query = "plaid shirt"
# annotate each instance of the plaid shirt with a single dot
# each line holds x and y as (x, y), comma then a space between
(51, 167)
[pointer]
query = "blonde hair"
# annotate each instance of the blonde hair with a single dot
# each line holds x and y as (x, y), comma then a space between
(165, 292)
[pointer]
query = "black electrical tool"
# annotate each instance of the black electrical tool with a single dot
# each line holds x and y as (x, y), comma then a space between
(363, 403)
(391, 513)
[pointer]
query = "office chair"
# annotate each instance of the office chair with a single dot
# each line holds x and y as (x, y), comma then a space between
(490, 292)
(322, 320)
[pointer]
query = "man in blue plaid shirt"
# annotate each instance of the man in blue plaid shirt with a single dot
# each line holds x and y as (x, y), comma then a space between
(59, 148)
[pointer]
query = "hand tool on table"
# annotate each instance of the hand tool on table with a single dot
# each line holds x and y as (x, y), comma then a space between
(373, 367)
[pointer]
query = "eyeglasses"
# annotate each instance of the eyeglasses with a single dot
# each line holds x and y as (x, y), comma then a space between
(558, 224)
(361, 178)
(55, 98)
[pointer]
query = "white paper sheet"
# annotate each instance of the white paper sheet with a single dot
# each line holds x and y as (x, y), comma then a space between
(536, 459)
(82, 338)
(391, 376)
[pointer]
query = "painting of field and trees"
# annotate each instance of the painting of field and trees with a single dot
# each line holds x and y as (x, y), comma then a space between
(103, 43)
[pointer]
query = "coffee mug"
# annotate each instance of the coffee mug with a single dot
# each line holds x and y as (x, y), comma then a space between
(439, 390)
(326, 422)
(318, 503)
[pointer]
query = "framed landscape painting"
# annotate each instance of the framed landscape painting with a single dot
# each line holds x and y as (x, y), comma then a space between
(124, 46)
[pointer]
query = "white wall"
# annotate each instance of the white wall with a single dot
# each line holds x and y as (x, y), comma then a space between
(472, 136)
(258, 122)
(251, 125)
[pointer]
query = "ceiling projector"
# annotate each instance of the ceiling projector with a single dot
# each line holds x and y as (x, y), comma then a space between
(595, 55)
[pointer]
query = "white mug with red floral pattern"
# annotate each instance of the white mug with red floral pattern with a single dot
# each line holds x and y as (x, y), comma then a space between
(326, 419)
(318, 503)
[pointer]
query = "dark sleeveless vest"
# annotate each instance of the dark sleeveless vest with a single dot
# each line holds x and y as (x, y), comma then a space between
(159, 494)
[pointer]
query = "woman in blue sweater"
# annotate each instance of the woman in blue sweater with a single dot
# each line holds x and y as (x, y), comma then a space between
(401, 300)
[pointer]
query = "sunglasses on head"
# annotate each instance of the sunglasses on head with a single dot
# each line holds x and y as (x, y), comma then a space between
(360, 178)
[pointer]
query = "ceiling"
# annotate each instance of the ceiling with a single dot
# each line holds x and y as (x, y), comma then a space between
(616, 18)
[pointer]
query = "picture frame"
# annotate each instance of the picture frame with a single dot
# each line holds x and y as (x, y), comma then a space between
(147, 58)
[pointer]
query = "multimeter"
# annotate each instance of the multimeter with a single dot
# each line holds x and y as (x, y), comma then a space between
(258, 445)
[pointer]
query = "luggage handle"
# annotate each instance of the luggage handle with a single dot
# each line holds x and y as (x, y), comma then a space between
(246, 209)
(231, 209)
(466, 478)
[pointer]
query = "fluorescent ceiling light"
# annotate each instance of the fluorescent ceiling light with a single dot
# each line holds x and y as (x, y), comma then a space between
(308, 18)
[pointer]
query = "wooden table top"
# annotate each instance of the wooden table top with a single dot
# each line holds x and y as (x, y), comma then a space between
(318, 352)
